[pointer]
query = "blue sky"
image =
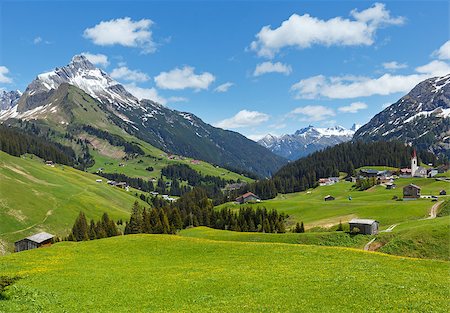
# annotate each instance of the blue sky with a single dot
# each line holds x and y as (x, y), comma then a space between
(256, 67)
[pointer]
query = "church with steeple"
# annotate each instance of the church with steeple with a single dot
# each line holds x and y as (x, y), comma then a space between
(416, 170)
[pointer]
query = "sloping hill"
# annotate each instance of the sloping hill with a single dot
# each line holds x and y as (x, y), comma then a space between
(35, 197)
(376, 203)
(176, 274)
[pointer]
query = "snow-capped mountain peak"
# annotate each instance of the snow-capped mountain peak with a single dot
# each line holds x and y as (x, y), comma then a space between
(306, 140)
(9, 99)
(80, 72)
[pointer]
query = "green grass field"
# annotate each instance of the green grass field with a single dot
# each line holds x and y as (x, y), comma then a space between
(313, 238)
(375, 203)
(35, 197)
(421, 239)
(163, 273)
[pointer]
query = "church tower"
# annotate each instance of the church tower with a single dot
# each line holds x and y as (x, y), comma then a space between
(414, 166)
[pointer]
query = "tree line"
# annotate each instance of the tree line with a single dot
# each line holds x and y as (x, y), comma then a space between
(17, 142)
(115, 140)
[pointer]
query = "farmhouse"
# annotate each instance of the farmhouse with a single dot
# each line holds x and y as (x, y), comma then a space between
(248, 197)
(365, 226)
(328, 198)
(36, 241)
(411, 191)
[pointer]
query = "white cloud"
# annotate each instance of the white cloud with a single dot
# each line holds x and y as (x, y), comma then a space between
(313, 113)
(145, 93)
(394, 65)
(256, 137)
(4, 75)
(151, 94)
(123, 31)
(244, 118)
(182, 78)
(224, 87)
(303, 31)
(269, 67)
(37, 40)
(443, 53)
(353, 107)
(346, 87)
(97, 59)
(434, 68)
(125, 73)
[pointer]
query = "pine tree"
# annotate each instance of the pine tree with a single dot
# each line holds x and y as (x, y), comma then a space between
(92, 234)
(135, 224)
(80, 228)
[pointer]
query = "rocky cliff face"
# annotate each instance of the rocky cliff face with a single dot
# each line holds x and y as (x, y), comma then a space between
(420, 118)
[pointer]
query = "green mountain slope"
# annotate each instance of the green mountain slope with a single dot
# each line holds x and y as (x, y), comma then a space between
(35, 197)
(67, 112)
(175, 274)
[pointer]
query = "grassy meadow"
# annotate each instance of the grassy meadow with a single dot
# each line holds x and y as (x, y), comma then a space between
(375, 203)
(35, 197)
(164, 273)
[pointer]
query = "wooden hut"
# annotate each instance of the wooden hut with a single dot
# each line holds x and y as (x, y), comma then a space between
(365, 226)
(33, 242)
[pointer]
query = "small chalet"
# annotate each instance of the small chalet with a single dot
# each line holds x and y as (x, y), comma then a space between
(33, 242)
(365, 226)
(390, 186)
(368, 172)
(442, 192)
(411, 191)
(49, 163)
(248, 197)
(328, 198)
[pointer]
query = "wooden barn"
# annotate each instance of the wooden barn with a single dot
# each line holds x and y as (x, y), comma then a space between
(365, 226)
(328, 198)
(248, 197)
(411, 191)
(442, 192)
(33, 242)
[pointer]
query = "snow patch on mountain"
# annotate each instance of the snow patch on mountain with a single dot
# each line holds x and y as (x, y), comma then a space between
(306, 140)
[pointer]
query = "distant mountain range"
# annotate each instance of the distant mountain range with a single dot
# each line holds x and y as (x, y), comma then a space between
(306, 141)
(9, 99)
(49, 99)
(421, 118)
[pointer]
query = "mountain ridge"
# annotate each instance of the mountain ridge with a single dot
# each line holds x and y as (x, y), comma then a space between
(306, 140)
(420, 118)
(173, 131)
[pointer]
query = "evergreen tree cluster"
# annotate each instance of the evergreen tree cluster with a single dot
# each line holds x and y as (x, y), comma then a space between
(195, 209)
(16, 142)
(115, 140)
(82, 231)
(182, 172)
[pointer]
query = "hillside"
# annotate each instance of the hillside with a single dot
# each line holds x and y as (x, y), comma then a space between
(65, 119)
(171, 273)
(35, 197)
(375, 203)
(421, 118)
(169, 130)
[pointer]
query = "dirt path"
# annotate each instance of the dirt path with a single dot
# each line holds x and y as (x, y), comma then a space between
(29, 227)
(389, 229)
(367, 246)
(434, 210)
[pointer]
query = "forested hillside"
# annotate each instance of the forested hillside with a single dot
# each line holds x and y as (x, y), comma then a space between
(346, 157)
